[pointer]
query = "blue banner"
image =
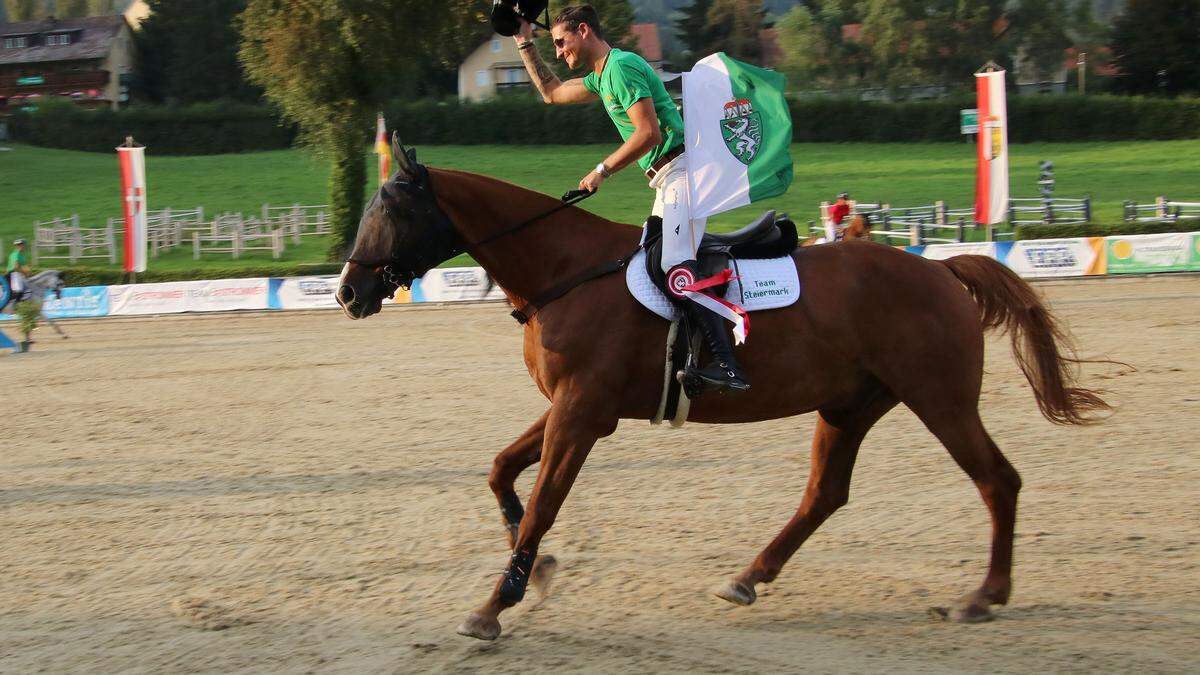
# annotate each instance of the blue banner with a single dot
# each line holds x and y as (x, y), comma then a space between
(81, 302)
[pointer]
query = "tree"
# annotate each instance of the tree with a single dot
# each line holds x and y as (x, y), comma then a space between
(1156, 48)
(734, 27)
(817, 50)
(189, 52)
(326, 64)
(24, 10)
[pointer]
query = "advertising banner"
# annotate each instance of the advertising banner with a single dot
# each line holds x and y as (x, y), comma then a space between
(314, 293)
(85, 301)
(456, 283)
(1195, 251)
(1057, 257)
(1140, 254)
(943, 251)
(188, 296)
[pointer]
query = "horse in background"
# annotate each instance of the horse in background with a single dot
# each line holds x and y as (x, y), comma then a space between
(859, 228)
(36, 288)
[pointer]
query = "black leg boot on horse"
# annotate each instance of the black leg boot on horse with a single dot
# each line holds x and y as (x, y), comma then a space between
(723, 374)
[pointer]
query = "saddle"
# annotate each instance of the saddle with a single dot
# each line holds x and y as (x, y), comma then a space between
(770, 236)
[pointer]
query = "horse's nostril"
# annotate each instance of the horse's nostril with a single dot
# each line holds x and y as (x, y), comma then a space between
(346, 294)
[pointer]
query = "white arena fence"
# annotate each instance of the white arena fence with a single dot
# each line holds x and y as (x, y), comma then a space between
(1034, 259)
(1163, 210)
(938, 224)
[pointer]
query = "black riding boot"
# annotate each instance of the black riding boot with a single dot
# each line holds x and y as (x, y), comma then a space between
(723, 374)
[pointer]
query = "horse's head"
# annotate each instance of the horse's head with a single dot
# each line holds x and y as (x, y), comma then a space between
(50, 280)
(402, 235)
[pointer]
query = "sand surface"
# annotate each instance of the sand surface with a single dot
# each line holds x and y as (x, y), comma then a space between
(299, 492)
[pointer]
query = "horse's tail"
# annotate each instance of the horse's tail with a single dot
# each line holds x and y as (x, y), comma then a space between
(1040, 345)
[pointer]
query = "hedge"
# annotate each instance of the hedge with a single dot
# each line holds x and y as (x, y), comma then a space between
(513, 120)
(108, 276)
(202, 129)
(1043, 231)
(521, 120)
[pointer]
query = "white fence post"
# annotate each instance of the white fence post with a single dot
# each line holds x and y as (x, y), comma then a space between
(195, 246)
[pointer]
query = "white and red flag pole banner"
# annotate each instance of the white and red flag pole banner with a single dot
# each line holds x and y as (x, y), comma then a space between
(991, 167)
(383, 149)
(133, 196)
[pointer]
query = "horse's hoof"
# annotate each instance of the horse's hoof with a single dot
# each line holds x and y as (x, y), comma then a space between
(972, 609)
(737, 592)
(480, 627)
(543, 574)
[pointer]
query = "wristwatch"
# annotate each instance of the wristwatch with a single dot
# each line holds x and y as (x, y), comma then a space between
(602, 170)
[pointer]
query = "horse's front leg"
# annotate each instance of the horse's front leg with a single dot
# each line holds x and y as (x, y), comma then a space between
(520, 455)
(568, 437)
(54, 325)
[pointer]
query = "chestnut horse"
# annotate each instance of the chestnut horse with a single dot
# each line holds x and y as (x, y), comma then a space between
(859, 228)
(875, 327)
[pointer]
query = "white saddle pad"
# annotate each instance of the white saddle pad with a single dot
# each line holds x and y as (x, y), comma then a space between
(761, 284)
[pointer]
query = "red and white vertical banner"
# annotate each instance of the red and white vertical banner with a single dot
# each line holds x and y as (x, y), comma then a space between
(991, 167)
(133, 194)
(383, 149)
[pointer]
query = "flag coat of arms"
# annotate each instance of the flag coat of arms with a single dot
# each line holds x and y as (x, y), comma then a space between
(133, 197)
(991, 165)
(737, 134)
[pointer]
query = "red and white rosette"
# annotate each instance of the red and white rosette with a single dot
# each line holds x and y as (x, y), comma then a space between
(729, 311)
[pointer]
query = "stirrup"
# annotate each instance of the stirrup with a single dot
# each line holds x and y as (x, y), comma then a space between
(716, 377)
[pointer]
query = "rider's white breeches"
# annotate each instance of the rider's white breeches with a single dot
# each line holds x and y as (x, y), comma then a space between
(17, 281)
(681, 232)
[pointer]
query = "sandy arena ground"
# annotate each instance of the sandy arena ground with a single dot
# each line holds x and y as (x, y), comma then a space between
(299, 492)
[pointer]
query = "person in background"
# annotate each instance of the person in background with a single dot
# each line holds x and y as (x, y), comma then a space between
(837, 217)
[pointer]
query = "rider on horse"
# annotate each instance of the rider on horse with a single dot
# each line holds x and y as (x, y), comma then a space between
(652, 129)
(17, 269)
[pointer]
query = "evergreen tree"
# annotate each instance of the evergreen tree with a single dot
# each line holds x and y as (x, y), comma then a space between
(189, 52)
(693, 31)
(1156, 47)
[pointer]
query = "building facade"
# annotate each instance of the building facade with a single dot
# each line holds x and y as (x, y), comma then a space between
(82, 60)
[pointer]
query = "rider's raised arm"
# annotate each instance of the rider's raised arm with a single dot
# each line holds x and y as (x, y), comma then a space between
(552, 89)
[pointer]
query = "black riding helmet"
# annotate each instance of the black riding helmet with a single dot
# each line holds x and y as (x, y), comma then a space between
(505, 13)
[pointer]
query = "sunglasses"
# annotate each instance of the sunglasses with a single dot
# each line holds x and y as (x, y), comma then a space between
(560, 42)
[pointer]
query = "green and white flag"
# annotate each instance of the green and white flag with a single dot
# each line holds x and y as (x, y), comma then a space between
(737, 134)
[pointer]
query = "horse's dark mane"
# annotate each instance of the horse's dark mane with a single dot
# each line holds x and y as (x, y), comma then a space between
(544, 201)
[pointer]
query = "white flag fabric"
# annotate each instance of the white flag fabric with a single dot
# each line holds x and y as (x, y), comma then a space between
(133, 194)
(737, 134)
(991, 166)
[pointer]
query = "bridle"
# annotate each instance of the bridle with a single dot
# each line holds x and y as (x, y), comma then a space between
(443, 242)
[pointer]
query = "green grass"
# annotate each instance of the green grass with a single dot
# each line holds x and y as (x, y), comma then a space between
(39, 183)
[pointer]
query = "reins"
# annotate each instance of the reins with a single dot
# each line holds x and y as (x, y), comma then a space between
(524, 314)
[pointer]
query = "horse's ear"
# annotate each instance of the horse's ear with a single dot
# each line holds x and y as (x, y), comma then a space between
(406, 161)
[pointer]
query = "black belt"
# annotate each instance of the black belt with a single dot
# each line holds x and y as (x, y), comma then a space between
(663, 161)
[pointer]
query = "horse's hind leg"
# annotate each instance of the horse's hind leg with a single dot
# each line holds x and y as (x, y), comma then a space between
(998, 482)
(518, 456)
(835, 447)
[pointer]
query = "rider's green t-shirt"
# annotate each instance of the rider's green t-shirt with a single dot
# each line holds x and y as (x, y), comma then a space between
(625, 79)
(16, 258)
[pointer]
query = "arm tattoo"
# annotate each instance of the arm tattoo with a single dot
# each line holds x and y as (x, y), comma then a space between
(541, 75)
(543, 71)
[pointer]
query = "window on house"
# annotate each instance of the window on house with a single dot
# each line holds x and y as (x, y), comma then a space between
(63, 39)
(15, 42)
(481, 78)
